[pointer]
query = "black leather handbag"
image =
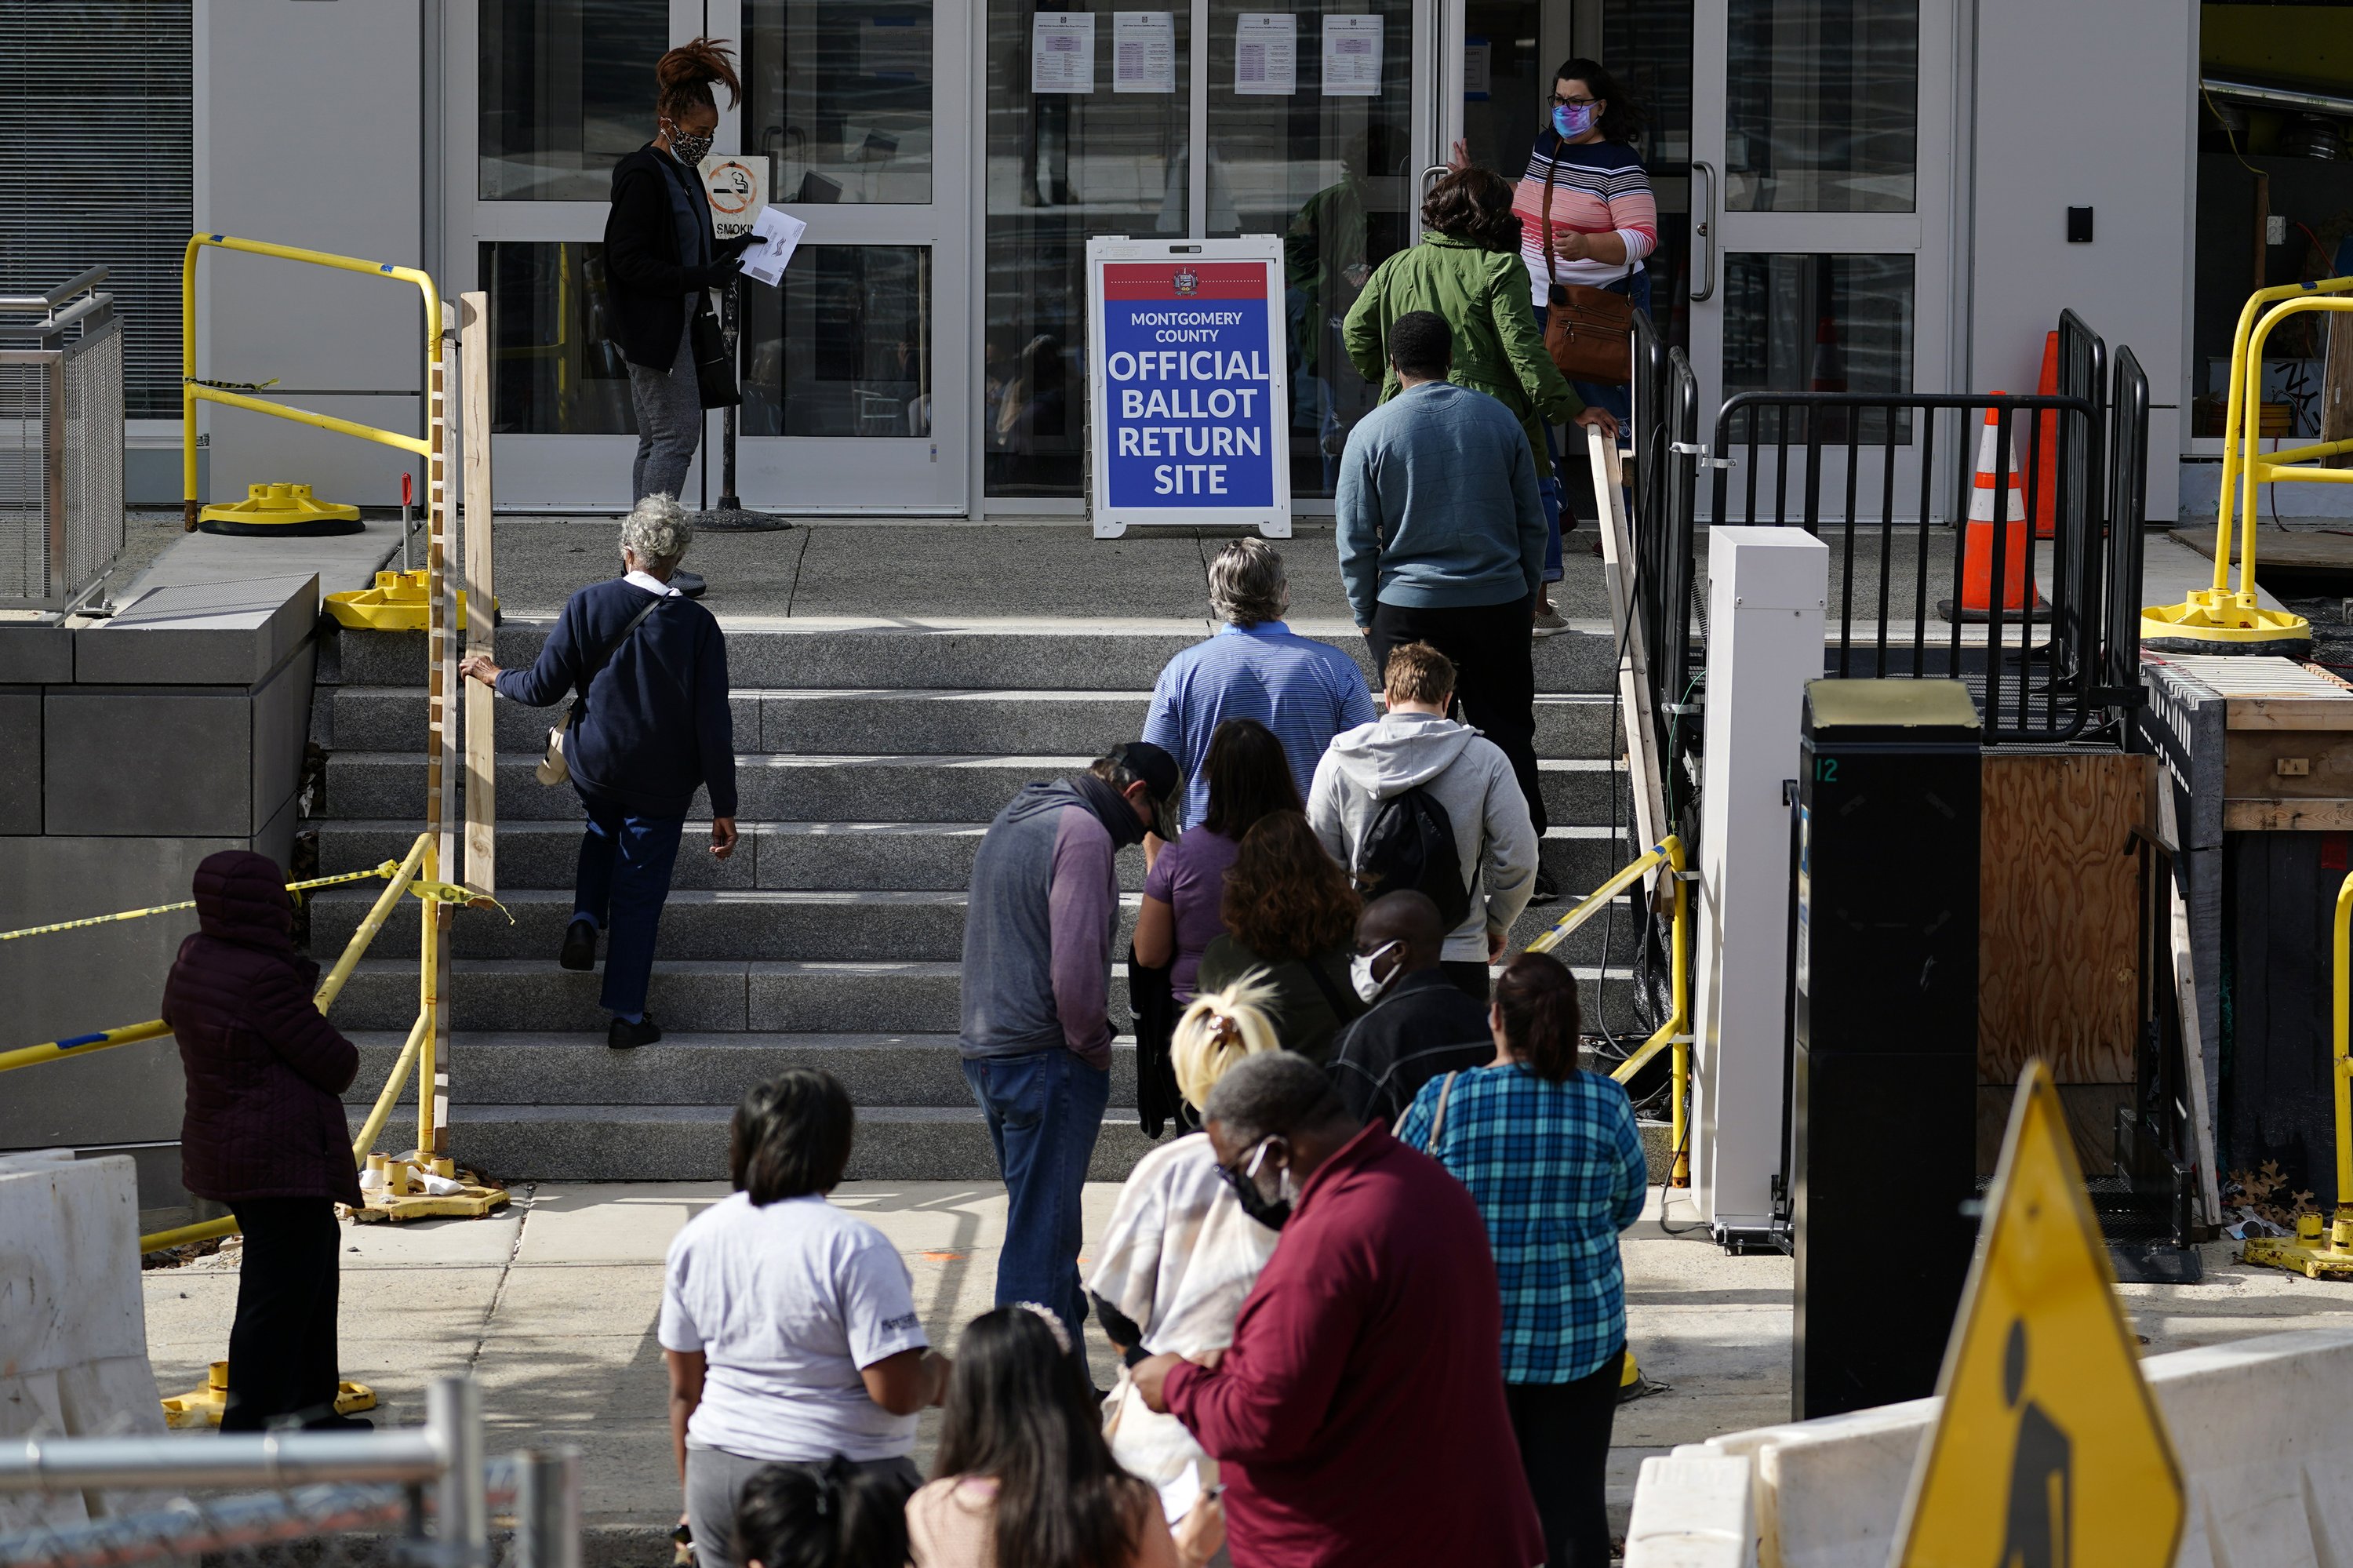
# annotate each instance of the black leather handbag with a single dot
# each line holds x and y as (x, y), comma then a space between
(715, 365)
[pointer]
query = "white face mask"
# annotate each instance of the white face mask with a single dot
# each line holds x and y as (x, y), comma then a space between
(1360, 971)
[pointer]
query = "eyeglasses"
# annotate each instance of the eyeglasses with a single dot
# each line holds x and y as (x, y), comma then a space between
(1560, 103)
(1237, 1178)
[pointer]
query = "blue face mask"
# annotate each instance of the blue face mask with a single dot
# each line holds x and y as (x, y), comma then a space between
(1572, 123)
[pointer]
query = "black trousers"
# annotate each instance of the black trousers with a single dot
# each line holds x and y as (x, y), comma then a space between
(1494, 674)
(1471, 978)
(282, 1349)
(1564, 1433)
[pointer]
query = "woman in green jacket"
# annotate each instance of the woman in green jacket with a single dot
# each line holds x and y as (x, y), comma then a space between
(1468, 269)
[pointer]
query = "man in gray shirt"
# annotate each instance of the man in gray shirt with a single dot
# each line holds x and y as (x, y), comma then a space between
(1441, 538)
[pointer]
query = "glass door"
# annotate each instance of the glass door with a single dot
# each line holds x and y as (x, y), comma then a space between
(1311, 124)
(1820, 250)
(544, 97)
(853, 371)
(856, 387)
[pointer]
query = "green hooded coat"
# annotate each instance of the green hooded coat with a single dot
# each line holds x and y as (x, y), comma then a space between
(1484, 296)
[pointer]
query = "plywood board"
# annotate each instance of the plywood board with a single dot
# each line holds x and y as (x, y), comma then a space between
(2059, 926)
(481, 869)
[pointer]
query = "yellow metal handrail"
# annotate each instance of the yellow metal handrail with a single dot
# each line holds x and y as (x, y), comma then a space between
(1675, 1032)
(193, 391)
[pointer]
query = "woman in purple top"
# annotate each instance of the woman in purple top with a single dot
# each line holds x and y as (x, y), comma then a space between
(1249, 776)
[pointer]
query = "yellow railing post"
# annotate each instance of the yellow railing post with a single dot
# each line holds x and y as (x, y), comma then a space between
(2341, 1232)
(191, 392)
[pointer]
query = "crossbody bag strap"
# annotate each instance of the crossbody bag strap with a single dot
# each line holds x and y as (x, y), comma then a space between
(1552, 167)
(580, 702)
(1438, 1114)
(1324, 983)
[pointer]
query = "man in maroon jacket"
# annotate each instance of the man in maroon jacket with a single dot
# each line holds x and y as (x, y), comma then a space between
(1358, 1417)
(264, 1132)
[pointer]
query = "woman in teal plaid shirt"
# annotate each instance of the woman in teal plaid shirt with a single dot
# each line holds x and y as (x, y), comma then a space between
(1552, 1157)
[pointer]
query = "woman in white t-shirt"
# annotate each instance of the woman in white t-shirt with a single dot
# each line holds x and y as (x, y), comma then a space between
(788, 1325)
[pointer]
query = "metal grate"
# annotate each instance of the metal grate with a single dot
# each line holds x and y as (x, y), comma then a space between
(61, 518)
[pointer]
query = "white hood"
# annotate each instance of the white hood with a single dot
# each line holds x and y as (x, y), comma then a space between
(1400, 752)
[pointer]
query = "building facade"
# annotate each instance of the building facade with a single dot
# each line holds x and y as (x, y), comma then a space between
(1868, 194)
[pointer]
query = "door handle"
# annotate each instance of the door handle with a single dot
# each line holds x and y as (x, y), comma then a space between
(1703, 221)
(1422, 185)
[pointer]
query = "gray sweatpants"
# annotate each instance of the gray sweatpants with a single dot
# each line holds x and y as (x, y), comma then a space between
(669, 407)
(715, 1479)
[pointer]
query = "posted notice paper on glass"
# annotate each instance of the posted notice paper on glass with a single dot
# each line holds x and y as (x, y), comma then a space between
(1143, 51)
(1352, 57)
(775, 234)
(1063, 51)
(1266, 53)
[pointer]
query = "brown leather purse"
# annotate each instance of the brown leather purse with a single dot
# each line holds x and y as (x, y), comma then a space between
(1589, 331)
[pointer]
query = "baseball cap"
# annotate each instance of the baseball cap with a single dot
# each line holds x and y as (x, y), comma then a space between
(1161, 776)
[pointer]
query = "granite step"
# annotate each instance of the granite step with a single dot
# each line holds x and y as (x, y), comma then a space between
(825, 788)
(1103, 656)
(689, 1143)
(813, 856)
(688, 1067)
(938, 723)
(762, 923)
(722, 996)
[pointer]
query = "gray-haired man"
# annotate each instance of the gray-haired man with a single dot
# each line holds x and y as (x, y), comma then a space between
(1305, 691)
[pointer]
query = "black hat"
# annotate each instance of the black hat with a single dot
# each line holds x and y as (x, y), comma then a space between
(1160, 775)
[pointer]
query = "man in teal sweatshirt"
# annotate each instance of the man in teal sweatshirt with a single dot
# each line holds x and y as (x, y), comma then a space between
(1442, 539)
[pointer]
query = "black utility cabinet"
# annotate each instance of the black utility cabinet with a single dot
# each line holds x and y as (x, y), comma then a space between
(1886, 1041)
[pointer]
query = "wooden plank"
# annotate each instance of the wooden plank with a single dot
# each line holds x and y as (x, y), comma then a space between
(2337, 387)
(1626, 623)
(2287, 816)
(2196, 1050)
(481, 868)
(2059, 923)
(2290, 713)
(2288, 765)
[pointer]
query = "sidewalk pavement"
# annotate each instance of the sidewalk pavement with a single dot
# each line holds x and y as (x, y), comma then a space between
(552, 1305)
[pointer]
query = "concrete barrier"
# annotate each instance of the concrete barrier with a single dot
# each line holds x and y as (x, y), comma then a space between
(2263, 1428)
(73, 1322)
(1691, 1510)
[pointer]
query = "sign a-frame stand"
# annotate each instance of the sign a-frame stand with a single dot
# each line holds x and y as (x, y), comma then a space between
(1188, 391)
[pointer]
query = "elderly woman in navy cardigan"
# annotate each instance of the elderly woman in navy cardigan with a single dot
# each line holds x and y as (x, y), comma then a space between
(650, 728)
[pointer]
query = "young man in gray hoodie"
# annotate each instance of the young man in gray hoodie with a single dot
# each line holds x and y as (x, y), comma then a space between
(1035, 1031)
(1415, 745)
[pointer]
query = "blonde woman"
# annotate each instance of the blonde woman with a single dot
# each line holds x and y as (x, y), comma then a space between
(1180, 1255)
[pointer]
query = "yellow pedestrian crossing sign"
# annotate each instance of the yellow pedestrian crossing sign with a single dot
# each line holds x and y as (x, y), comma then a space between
(2049, 1452)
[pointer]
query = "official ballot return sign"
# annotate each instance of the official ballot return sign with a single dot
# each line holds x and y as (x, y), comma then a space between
(1188, 398)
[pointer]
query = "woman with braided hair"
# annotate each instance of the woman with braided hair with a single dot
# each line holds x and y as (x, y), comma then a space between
(1180, 1253)
(661, 255)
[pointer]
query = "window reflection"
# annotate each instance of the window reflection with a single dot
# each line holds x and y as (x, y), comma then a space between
(1823, 109)
(1820, 323)
(1334, 175)
(1061, 167)
(554, 370)
(567, 89)
(843, 348)
(839, 97)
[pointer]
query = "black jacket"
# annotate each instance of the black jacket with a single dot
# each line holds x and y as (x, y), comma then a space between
(265, 1071)
(1423, 1027)
(643, 273)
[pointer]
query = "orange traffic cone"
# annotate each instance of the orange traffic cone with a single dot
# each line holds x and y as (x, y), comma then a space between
(2046, 461)
(1993, 507)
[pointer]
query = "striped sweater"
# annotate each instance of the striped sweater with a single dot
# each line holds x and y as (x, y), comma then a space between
(1597, 186)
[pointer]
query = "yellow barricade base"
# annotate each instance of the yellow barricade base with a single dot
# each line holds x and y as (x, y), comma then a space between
(396, 1191)
(2217, 620)
(202, 1407)
(397, 603)
(286, 510)
(2313, 1251)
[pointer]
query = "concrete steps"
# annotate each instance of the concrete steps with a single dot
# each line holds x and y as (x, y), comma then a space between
(871, 757)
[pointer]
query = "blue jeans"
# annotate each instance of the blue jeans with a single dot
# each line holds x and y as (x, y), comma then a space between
(622, 885)
(1044, 1110)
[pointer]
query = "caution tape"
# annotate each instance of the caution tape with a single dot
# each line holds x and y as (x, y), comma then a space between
(389, 868)
(229, 385)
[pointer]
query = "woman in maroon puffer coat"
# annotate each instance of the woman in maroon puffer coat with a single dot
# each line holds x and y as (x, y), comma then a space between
(265, 1134)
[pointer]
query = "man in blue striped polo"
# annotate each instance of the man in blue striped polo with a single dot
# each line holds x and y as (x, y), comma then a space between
(1305, 691)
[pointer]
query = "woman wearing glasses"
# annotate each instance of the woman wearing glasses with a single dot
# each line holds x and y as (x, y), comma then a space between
(1586, 189)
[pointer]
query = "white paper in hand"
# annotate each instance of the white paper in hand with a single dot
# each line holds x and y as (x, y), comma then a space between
(775, 236)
